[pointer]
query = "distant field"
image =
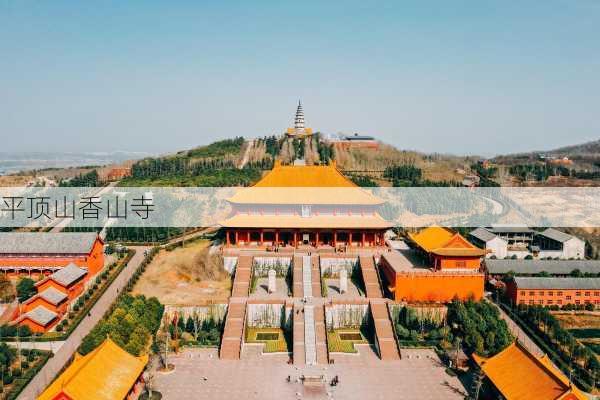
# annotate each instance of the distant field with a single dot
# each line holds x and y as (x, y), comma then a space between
(185, 276)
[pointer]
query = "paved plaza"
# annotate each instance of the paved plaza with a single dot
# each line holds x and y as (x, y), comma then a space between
(200, 374)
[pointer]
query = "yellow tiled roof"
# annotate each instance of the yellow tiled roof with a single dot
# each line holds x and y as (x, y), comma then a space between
(305, 195)
(296, 221)
(107, 373)
(520, 375)
(304, 176)
(444, 242)
(305, 184)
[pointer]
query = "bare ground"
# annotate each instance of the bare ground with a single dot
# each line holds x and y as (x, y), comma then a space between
(186, 276)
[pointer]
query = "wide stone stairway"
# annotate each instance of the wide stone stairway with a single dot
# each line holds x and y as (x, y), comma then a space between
(241, 281)
(297, 277)
(231, 345)
(298, 332)
(370, 278)
(386, 342)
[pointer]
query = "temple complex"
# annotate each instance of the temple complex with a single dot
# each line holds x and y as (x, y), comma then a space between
(299, 130)
(312, 205)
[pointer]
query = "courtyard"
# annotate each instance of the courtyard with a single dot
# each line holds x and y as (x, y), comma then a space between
(200, 374)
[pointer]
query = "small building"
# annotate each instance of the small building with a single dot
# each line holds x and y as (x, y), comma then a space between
(51, 298)
(106, 373)
(518, 238)
(113, 173)
(404, 277)
(493, 244)
(554, 291)
(39, 320)
(68, 280)
(358, 142)
(554, 243)
(516, 373)
(42, 252)
(447, 250)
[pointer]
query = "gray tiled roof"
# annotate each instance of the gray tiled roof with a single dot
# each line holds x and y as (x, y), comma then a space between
(510, 229)
(68, 274)
(557, 283)
(482, 234)
(553, 267)
(41, 315)
(557, 235)
(53, 296)
(48, 243)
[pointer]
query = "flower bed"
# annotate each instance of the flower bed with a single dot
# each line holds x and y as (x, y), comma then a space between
(337, 344)
(259, 335)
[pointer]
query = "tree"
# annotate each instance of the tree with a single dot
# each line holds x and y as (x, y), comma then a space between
(25, 289)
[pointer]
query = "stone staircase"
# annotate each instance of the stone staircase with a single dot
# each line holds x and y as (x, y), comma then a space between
(316, 276)
(320, 334)
(298, 338)
(310, 348)
(307, 277)
(385, 338)
(297, 277)
(231, 345)
(241, 281)
(370, 277)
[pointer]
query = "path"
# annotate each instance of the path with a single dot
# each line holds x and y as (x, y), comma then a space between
(246, 154)
(518, 333)
(64, 354)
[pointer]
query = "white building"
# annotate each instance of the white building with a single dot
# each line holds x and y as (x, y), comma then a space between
(523, 242)
(554, 243)
(492, 243)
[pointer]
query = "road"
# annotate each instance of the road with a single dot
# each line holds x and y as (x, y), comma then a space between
(64, 354)
(518, 333)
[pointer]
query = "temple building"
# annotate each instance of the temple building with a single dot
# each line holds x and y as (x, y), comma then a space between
(42, 253)
(313, 205)
(516, 373)
(299, 130)
(106, 373)
(442, 266)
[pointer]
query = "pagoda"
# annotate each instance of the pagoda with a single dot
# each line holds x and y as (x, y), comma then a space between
(299, 130)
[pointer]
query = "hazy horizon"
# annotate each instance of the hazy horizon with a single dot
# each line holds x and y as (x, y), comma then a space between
(464, 78)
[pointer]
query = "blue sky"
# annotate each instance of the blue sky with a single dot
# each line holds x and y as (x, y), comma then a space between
(477, 76)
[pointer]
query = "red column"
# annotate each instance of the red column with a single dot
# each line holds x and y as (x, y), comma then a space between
(227, 237)
(261, 237)
(350, 238)
(317, 238)
(237, 237)
(277, 237)
(334, 238)
(295, 239)
(363, 239)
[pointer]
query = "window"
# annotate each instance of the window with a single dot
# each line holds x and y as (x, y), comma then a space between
(532, 293)
(568, 297)
(558, 301)
(559, 293)
(587, 301)
(523, 301)
(596, 293)
(522, 293)
(461, 264)
(577, 293)
(540, 302)
(587, 294)
(577, 301)
(531, 302)
(541, 292)
(549, 302)
(551, 293)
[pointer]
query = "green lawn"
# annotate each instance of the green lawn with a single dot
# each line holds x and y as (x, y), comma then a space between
(279, 345)
(336, 344)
